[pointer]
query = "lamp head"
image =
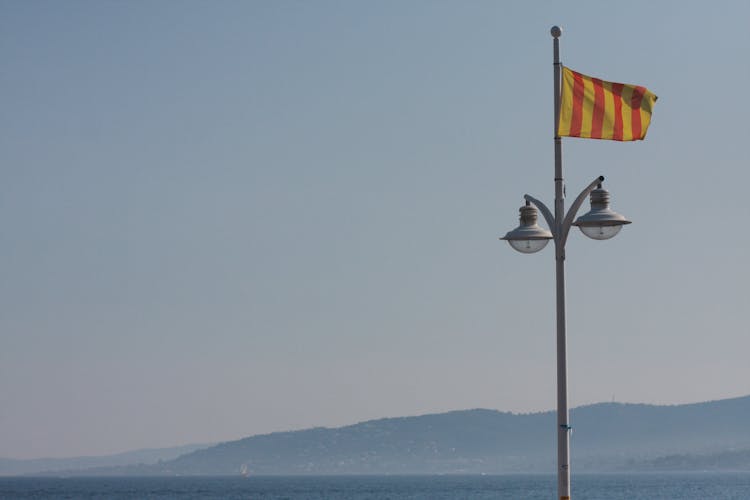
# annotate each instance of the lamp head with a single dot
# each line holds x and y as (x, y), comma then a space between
(600, 223)
(528, 237)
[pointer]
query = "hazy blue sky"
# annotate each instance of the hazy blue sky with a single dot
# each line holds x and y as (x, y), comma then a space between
(223, 218)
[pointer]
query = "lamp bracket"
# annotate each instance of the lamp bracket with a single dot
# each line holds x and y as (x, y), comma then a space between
(545, 212)
(568, 221)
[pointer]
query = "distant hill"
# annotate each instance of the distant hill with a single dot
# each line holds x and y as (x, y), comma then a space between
(10, 466)
(733, 460)
(606, 436)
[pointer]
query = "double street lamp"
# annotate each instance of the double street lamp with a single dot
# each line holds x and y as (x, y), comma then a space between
(600, 223)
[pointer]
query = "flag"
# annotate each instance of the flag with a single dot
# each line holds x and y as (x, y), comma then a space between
(594, 109)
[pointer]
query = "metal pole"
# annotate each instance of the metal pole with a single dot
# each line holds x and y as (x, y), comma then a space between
(563, 428)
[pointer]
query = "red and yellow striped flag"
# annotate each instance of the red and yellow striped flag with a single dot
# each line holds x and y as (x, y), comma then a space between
(595, 109)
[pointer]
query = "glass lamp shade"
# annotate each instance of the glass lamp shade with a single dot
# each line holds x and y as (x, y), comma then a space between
(600, 232)
(528, 246)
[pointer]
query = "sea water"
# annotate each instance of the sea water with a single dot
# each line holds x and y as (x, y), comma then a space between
(687, 486)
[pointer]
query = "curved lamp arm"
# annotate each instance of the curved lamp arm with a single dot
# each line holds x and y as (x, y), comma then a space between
(545, 212)
(568, 221)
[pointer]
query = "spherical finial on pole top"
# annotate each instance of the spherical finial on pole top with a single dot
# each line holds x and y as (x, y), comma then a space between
(555, 31)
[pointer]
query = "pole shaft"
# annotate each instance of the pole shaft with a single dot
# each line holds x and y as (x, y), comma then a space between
(563, 428)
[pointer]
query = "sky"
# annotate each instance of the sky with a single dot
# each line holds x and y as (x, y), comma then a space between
(226, 218)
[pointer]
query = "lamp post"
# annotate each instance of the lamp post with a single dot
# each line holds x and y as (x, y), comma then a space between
(599, 223)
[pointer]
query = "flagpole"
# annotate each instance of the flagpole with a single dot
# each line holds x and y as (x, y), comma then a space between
(600, 223)
(563, 427)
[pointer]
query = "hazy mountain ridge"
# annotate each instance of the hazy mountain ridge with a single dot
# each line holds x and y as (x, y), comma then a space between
(12, 466)
(606, 436)
(734, 460)
(698, 427)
